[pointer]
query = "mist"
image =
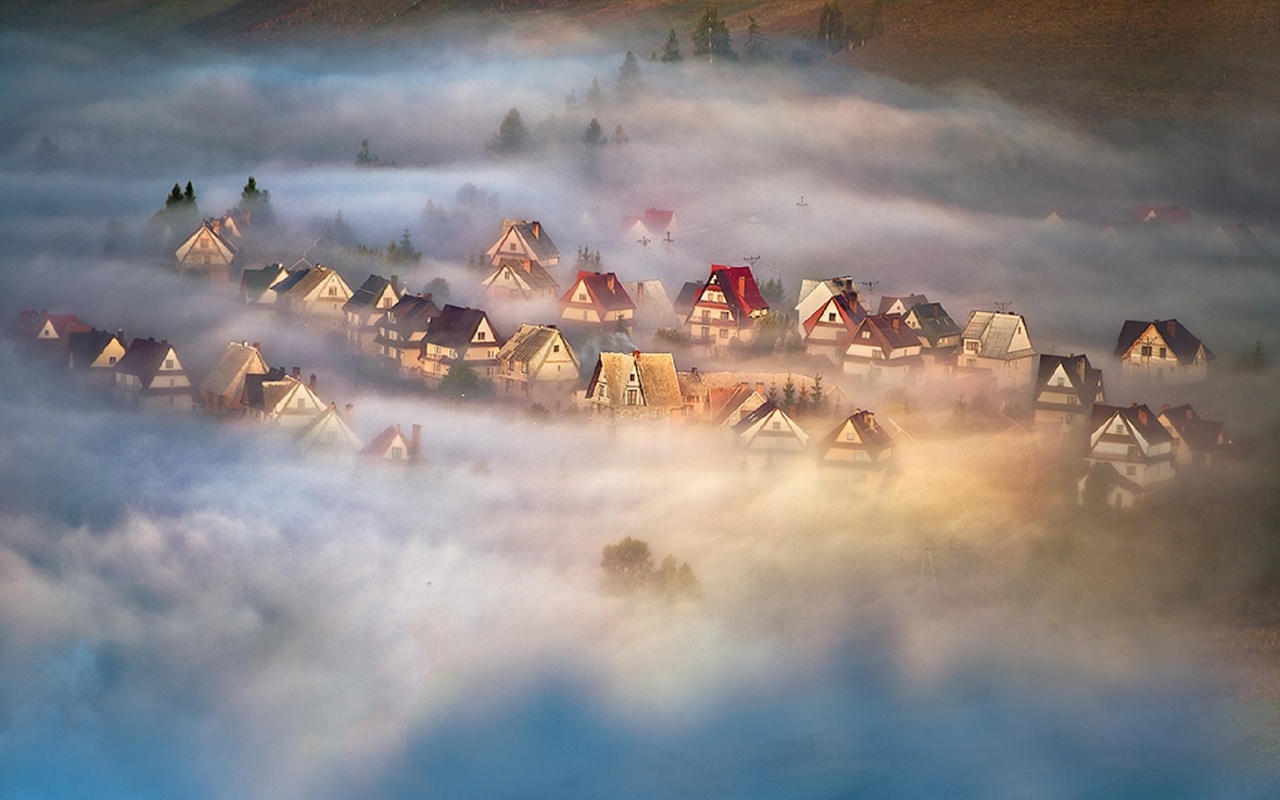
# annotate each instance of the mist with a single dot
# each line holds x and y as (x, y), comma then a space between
(189, 608)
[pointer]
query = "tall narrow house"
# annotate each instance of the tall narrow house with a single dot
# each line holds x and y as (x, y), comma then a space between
(151, 377)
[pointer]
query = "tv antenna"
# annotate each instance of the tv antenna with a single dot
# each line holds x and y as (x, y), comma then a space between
(751, 260)
(871, 288)
(1003, 305)
(667, 240)
(644, 242)
(802, 205)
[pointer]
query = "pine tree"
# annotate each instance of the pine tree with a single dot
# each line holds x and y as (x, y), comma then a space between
(594, 93)
(512, 136)
(594, 137)
(619, 137)
(671, 50)
(257, 202)
(711, 36)
(189, 194)
(758, 48)
(831, 27)
(628, 75)
(174, 198)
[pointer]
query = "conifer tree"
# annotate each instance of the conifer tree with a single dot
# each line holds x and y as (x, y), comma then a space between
(671, 50)
(711, 36)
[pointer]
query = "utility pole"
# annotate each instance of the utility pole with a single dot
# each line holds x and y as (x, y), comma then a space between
(871, 288)
(1003, 305)
(751, 260)
(644, 241)
(802, 205)
(667, 240)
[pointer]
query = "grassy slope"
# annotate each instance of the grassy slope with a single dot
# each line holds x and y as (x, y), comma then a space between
(1090, 59)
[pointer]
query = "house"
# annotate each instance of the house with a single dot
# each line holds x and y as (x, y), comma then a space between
(830, 328)
(208, 252)
(1130, 453)
(597, 300)
(94, 354)
(46, 333)
(318, 294)
(998, 342)
(1161, 351)
(151, 377)
(458, 336)
(366, 306)
(937, 331)
(393, 447)
(1195, 441)
(653, 305)
(400, 331)
(1238, 240)
(883, 349)
(683, 304)
(282, 399)
(814, 293)
(726, 308)
(769, 429)
(1161, 215)
(518, 279)
(634, 385)
(523, 240)
(1065, 391)
(900, 304)
(329, 435)
(729, 405)
(258, 287)
(537, 365)
(222, 390)
(858, 442)
(654, 224)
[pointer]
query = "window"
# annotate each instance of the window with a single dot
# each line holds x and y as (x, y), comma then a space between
(1060, 382)
(480, 336)
(850, 437)
(861, 455)
(333, 290)
(511, 246)
(168, 363)
(831, 316)
(397, 452)
(724, 333)
(633, 397)
(1071, 400)
(1146, 351)
(724, 315)
(1131, 470)
(525, 368)
(582, 297)
(1133, 451)
(706, 332)
(777, 425)
(555, 348)
(971, 345)
(111, 360)
(584, 314)
(1164, 352)
(866, 334)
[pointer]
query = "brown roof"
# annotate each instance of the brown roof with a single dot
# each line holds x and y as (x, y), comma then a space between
(605, 290)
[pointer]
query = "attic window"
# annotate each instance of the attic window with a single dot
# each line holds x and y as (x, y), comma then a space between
(831, 316)
(333, 290)
(555, 348)
(111, 360)
(480, 335)
(1164, 352)
(512, 246)
(849, 437)
(777, 425)
(1060, 382)
(168, 363)
(1146, 350)
(582, 297)
(866, 334)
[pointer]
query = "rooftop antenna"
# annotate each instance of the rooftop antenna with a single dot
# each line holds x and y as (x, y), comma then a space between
(667, 240)
(751, 260)
(1003, 305)
(644, 242)
(802, 205)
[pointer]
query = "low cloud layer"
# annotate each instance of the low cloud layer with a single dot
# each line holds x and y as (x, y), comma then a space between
(190, 610)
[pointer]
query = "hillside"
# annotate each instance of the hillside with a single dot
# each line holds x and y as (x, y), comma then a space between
(1088, 59)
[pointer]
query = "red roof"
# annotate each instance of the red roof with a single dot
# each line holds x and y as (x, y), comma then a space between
(655, 220)
(847, 303)
(739, 286)
(604, 289)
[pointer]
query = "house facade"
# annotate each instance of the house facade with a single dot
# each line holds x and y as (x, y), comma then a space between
(884, 350)
(769, 429)
(1196, 441)
(858, 444)
(514, 279)
(537, 365)
(222, 390)
(400, 330)
(999, 343)
(282, 399)
(258, 286)
(151, 377)
(634, 386)
(93, 354)
(597, 300)
(458, 336)
(207, 252)
(318, 296)
(1130, 453)
(365, 308)
(524, 240)
(1065, 391)
(726, 307)
(1161, 351)
(832, 326)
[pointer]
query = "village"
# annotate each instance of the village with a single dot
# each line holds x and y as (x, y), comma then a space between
(812, 406)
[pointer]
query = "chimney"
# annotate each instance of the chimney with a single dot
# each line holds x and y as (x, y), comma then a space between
(536, 227)
(257, 346)
(895, 319)
(1190, 414)
(760, 387)
(1171, 325)
(742, 286)
(395, 284)
(415, 439)
(639, 298)
(1164, 407)
(635, 354)
(610, 280)
(351, 413)
(312, 382)
(297, 372)
(1142, 416)
(120, 334)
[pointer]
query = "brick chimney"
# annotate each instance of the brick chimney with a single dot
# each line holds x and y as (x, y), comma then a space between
(312, 382)
(395, 284)
(742, 286)
(611, 280)
(1172, 326)
(536, 227)
(297, 373)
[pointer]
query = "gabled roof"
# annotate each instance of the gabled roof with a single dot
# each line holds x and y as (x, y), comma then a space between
(751, 425)
(275, 391)
(1181, 341)
(212, 230)
(1239, 238)
(411, 314)
(684, 301)
(455, 327)
(529, 274)
(654, 220)
(256, 386)
(1139, 418)
(307, 285)
(729, 400)
(227, 377)
(1201, 435)
(30, 323)
(995, 332)
(934, 322)
(740, 289)
(655, 372)
(85, 347)
(328, 432)
(603, 288)
(1085, 381)
(144, 358)
(867, 432)
(256, 281)
(534, 237)
(291, 279)
(390, 437)
(366, 298)
(847, 304)
(531, 345)
(908, 301)
(888, 331)
(1161, 214)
